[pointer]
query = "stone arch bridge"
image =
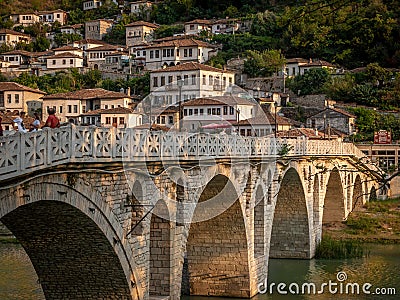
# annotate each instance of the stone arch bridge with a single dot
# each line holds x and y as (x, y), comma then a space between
(125, 214)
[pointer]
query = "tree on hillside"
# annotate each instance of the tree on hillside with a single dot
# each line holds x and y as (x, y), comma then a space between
(263, 63)
(312, 82)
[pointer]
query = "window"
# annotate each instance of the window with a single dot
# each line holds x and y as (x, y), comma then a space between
(231, 110)
(185, 112)
(162, 119)
(186, 79)
(164, 52)
(218, 111)
(225, 108)
(16, 98)
(115, 120)
(210, 80)
(151, 54)
(54, 61)
(193, 79)
(155, 81)
(185, 53)
(208, 111)
(121, 120)
(230, 80)
(8, 98)
(204, 79)
(64, 62)
(69, 109)
(157, 54)
(213, 111)
(71, 61)
(75, 109)
(190, 52)
(162, 80)
(191, 26)
(196, 111)
(106, 106)
(83, 108)
(170, 79)
(170, 119)
(108, 120)
(190, 112)
(201, 111)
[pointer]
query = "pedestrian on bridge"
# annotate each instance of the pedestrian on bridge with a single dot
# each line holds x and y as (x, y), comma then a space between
(52, 121)
(20, 122)
(35, 125)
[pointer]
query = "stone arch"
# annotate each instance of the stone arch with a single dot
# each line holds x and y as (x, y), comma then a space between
(160, 251)
(334, 206)
(358, 197)
(259, 222)
(47, 217)
(217, 248)
(290, 234)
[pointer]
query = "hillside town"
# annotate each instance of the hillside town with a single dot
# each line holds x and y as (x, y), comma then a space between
(182, 86)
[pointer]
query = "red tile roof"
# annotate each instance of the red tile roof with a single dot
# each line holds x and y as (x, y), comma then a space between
(8, 31)
(200, 21)
(191, 66)
(67, 48)
(183, 42)
(13, 86)
(117, 110)
(142, 23)
(88, 94)
(64, 55)
(103, 48)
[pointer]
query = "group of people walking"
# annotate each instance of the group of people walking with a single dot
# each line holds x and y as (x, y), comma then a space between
(51, 122)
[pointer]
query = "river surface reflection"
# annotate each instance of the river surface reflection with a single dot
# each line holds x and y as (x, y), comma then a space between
(381, 268)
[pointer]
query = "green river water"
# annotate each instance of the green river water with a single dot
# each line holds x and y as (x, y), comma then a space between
(381, 269)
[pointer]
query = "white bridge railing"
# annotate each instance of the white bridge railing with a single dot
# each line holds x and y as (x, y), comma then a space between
(24, 153)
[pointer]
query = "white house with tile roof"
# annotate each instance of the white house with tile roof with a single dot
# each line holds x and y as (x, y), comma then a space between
(69, 106)
(49, 17)
(96, 56)
(173, 52)
(15, 96)
(194, 27)
(222, 110)
(120, 117)
(11, 37)
(332, 117)
(198, 80)
(64, 60)
(139, 32)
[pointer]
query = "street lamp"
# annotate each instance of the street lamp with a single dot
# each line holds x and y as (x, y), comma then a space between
(180, 84)
(238, 120)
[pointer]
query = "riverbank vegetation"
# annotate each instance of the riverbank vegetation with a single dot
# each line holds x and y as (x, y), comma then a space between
(377, 222)
(330, 248)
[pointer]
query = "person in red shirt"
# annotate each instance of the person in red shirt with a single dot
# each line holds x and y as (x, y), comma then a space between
(52, 121)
